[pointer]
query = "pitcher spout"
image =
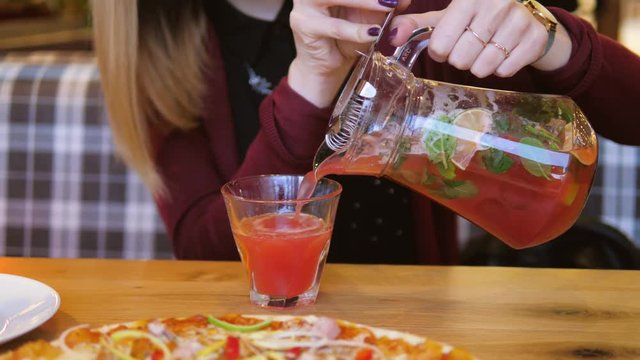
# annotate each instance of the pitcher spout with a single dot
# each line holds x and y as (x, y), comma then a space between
(322, 154)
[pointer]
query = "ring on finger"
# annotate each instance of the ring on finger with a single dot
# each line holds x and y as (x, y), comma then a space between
(475, 34)
(505, 51)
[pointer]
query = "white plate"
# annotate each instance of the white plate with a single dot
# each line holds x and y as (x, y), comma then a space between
(24, 305)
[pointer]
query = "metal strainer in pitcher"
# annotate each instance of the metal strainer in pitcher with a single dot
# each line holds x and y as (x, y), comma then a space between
(355, 101)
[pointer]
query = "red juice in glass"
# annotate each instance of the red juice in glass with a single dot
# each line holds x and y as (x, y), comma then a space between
(283, 238)
(282, 251)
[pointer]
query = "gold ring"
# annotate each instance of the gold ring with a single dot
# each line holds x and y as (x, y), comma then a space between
(499, 46)
(484, 43)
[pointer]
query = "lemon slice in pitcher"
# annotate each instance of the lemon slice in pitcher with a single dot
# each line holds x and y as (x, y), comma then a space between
(479, 121)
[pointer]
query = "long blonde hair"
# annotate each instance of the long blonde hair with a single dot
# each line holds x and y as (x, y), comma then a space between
(151, 56)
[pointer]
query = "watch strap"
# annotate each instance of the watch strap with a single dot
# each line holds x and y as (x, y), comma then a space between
(551, 36)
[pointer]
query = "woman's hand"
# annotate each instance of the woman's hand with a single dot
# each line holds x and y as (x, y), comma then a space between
(328, 34)
(487, 37)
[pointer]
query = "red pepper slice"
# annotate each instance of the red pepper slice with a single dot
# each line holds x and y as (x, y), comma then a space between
(293, 353)
(232, 348)
(157, 355)
(364, 354)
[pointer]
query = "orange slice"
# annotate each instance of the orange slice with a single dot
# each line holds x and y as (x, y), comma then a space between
(567, 142)
(480, 122)
(587, 155)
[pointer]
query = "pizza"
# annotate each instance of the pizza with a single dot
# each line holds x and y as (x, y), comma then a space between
(235, 336)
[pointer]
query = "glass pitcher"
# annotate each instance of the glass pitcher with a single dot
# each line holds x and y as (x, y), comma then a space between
(518, 165)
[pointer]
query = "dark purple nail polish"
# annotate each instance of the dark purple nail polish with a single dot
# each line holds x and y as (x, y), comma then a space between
(393, 33)
(388, 3)
(373, 31)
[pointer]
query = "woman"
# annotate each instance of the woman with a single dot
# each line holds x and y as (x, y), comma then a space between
(203, 92)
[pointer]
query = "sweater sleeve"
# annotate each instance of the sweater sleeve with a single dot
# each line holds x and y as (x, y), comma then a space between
(193, 209)
(603, 78)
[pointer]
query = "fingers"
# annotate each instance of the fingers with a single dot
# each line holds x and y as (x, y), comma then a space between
(467, 49)
(526, 52)
(403, 25)
(502, 44)
(344, 20)
(328, 35)
(448, 31)
(476, 35)
(368, 5)
(313, 27)
(486, 37)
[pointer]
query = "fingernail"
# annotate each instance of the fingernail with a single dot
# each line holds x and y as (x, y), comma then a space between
(388, 3)
(373, 31)
(393, 33)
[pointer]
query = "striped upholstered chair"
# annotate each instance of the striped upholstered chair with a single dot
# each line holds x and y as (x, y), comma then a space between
(63, 193)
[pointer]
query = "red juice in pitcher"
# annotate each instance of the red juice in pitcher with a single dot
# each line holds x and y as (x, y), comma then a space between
(523, 189)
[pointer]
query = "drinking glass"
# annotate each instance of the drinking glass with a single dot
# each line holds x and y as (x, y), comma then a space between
(283, 241)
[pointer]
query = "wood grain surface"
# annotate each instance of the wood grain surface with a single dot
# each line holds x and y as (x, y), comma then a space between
(496, 313)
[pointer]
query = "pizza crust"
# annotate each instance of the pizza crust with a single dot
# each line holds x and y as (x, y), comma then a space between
(310, 336)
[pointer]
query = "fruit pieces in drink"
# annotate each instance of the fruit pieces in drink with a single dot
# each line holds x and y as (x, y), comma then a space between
(477, 120)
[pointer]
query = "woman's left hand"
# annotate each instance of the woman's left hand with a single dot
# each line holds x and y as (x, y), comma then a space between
(487, 37)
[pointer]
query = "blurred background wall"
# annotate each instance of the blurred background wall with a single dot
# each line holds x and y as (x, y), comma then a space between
(44, 25)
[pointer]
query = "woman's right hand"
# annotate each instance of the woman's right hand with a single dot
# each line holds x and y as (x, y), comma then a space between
(328, 35)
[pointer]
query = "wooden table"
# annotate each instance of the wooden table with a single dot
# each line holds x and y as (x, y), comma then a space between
(496, 313)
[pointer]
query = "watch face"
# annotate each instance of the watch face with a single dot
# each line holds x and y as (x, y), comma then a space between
(542, 11)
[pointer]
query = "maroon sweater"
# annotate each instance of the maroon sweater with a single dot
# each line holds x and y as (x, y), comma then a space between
(602, 77)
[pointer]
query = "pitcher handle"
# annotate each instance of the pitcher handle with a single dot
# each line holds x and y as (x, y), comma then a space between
(409, 51)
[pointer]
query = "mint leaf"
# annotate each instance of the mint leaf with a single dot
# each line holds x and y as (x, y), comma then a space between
(565, 112)
(496, 161)
(535, 168)
(403, 148)
(536, 108)
(542, 133)
(447, 169)
(448, 189)
(501, 123)
(459, 189)
(428, 179)
(439, 148)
